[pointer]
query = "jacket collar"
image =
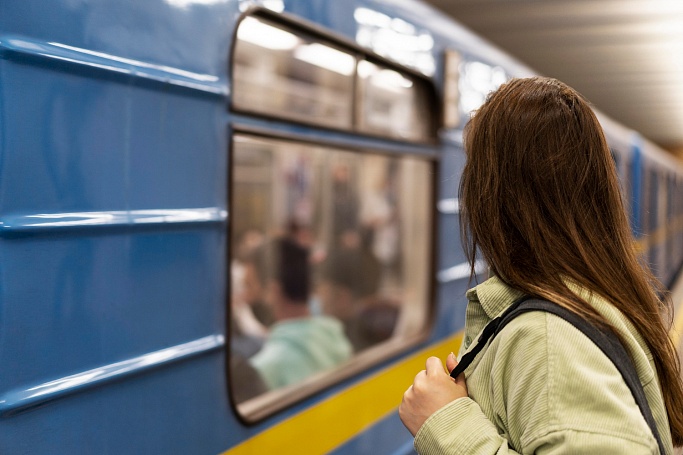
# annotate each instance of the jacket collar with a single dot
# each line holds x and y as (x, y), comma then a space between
(494, 296)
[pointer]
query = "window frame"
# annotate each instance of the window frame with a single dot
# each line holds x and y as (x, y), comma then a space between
(270, 403)
(307, 29)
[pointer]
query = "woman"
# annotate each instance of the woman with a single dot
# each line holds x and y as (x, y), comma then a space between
(542, 205)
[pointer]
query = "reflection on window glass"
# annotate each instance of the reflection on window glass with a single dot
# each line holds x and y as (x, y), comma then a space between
(392, 103)
(329, 258)
(277, 72)
(477, 81)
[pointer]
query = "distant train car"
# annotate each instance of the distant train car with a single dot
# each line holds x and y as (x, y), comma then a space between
(231, 226)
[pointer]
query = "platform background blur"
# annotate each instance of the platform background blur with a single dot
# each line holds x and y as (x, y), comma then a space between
(625, 56)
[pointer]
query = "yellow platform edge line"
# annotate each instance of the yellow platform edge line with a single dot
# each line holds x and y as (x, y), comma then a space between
(332, 422)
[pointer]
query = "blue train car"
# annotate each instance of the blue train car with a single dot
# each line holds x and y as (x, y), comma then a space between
(156, 155)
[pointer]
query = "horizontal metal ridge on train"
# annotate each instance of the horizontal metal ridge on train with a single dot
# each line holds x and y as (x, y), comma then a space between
(88, 60)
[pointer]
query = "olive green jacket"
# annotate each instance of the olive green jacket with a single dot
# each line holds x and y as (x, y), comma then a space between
(542, 387)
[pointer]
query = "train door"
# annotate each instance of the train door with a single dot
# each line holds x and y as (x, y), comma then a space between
(331, 201)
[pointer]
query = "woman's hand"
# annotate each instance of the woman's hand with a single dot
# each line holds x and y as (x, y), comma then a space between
(432, 389)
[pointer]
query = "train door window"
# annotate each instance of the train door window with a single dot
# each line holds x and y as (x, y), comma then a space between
(451, 89)
(290, 72)
(653, 220)
(282, 73)
(660, 234)
(644, 203)
(669, 250)
(653, 203)
(393, 103)
(330, 265)
(477, 81)
(626, 180)
(618, 164)
(616, 157)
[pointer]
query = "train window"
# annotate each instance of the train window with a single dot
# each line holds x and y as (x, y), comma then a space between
(645, 199)
(281, 73)
(477, 81)
(451, 96)
(625, 179)
(392, 103)
(330, 259)
(615, 158)
(669, 250)
(622, 168)
(653, 203)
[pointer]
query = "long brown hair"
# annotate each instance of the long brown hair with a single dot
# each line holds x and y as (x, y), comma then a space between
(541, 203)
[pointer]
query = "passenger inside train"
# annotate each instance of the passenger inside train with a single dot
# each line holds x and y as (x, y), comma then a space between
(349, 289)
(298, 343)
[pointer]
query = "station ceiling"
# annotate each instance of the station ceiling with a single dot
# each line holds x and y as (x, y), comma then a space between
(625, 56)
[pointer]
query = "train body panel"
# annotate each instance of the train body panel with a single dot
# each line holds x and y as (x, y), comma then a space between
(130, 160)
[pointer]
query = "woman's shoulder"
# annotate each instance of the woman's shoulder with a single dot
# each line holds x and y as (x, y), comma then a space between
(545, 362)
(543, 333)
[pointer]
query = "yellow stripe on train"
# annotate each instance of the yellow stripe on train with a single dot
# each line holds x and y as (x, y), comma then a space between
(325, 426)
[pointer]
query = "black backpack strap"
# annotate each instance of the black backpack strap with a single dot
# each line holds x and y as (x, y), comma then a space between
(489, 333)
(608, 343)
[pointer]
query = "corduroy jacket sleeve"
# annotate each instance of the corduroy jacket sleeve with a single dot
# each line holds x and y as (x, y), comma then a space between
(541, 387)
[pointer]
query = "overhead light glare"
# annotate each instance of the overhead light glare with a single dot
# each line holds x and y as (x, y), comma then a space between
(264, 35)
(326, 57)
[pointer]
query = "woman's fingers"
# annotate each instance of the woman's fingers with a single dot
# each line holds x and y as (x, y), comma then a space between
(432, 389)
(434, 366)
(451, 362)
